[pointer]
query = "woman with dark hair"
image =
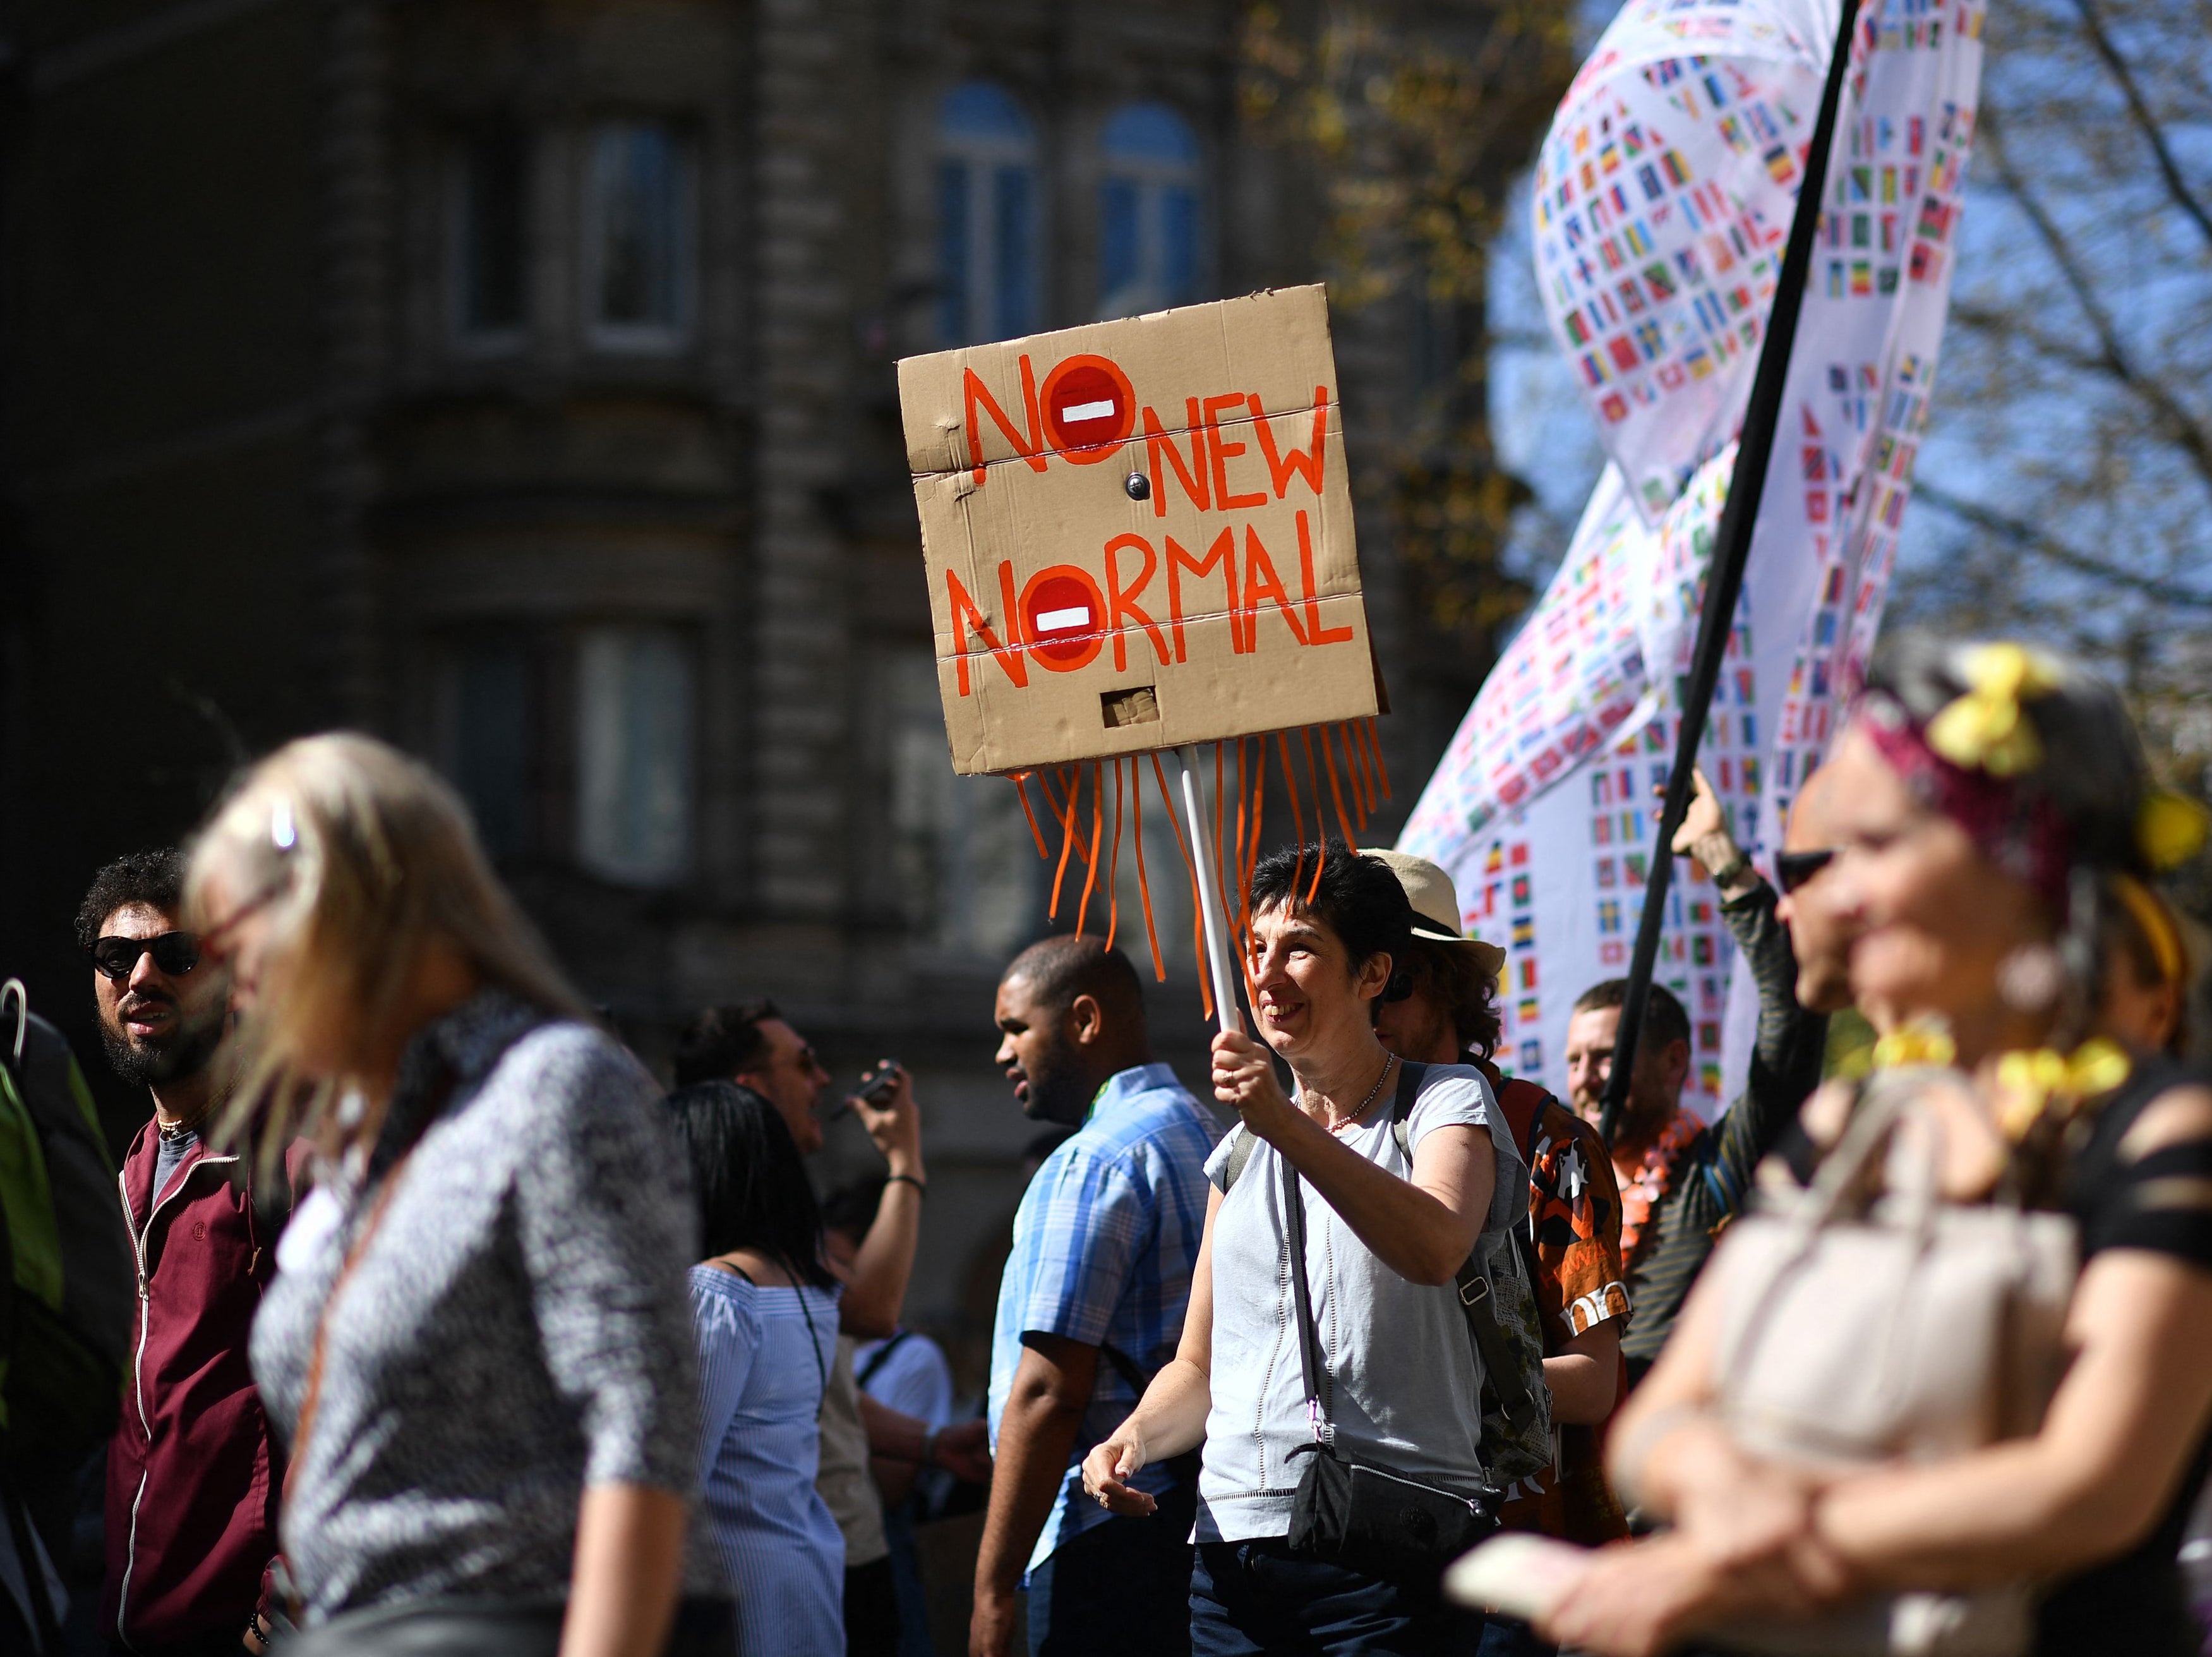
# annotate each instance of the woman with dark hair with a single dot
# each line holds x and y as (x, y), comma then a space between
(1384, 1220)
(1989, 810)
(765, 1308)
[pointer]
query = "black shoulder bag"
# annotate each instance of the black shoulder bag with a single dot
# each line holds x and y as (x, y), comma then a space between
(1357, 1514)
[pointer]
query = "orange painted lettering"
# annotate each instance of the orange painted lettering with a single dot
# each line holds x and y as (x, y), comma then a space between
(975, 392)
(1307, 463)
(1316, 633)
(1220, 452)
(966, 619)
(1270, 588)
(1123, 601)
(1192, 481)
(1223, 553)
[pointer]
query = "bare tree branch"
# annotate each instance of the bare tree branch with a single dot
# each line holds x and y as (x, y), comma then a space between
(2154, 133)
(2177, 422)
(2035, 539)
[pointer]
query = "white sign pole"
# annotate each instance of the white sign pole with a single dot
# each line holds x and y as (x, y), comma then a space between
(1219, 960)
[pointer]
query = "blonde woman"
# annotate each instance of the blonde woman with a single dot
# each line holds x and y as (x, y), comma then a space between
(478, 1343)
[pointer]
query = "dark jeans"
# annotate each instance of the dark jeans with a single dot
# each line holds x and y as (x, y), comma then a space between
(1508, 1636)
(1250, 1598)
(871, 1611)
(1119, 1589)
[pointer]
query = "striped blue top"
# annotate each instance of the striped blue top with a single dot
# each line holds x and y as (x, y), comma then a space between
(1104, 1244)
(764, 1354)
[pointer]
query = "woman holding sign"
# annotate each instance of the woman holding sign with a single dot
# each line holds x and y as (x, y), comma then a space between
(1338, 1404)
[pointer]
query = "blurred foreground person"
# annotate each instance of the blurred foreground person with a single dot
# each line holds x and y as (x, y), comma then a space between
(478, 1343)
(194, 1476)
(1090, 1306)
(1681, 1180)
(1384, 1219)
(67, 1299)
(765, 1307)
(1450, 1016)
(1986, 803)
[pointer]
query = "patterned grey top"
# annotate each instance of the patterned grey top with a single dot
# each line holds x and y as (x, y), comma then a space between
(518, 1327)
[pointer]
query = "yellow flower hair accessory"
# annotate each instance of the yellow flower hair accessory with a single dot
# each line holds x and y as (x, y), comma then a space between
(1985, 729)
(1917, 1044)
(2170, 828)
(2028, 1080)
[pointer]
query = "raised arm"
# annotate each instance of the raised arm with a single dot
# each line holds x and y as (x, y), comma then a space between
(875, 1294)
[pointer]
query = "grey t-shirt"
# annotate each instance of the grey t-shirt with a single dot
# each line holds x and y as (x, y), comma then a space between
(169, 1156)
(1400, 1383)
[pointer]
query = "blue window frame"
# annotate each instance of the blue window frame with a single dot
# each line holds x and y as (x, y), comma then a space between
(986, 217)
(1151, 234)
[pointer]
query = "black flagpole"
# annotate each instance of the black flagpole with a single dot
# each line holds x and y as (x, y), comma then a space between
(1724, 582)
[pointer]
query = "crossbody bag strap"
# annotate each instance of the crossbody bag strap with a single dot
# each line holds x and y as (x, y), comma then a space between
(1310, 1358)
(1410, 1077)
(881, 1356)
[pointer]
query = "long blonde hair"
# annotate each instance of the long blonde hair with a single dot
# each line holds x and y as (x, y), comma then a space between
(360, 858)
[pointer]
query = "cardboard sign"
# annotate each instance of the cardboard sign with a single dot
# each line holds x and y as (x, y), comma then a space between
(1139, 533)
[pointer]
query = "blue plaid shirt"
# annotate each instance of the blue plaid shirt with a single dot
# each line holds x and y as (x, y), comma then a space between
(1104, 1244)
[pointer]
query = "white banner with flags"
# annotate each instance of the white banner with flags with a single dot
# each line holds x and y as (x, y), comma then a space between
(1663, 200)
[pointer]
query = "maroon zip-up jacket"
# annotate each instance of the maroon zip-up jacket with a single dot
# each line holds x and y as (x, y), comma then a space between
(194, 1476)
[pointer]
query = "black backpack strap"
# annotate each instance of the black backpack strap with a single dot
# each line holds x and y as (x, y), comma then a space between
(1242, 1142)
(1310, 1367)
(1410, 1077)
(878, 1358)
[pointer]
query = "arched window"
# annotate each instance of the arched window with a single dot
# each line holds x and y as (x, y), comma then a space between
(986, 217)
(1148, 211)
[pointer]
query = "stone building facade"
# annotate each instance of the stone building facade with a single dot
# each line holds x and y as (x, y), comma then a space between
(514, 378)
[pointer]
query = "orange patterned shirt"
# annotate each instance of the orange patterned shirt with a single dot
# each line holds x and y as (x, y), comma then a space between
(1575, 1215)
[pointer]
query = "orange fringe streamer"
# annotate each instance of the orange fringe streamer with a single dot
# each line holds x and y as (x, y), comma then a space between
(1336, 793)
(1258, 812)
(1114, 864)
(1297, 811)
(1363, 769)
(1374, 750)
(1067, 841)
(1144, 886)
(1355, 764)
(1021, 781)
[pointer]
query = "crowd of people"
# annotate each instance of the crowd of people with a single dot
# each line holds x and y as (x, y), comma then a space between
(440, 1324)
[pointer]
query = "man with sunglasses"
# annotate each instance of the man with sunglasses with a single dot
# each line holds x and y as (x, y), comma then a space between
(1681, 1180)
(194, 1477)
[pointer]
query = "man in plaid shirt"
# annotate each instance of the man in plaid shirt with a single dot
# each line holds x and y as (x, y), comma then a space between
(1091, 1306)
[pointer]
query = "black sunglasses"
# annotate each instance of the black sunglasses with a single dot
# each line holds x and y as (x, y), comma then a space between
(1793, 869)
(175, 952)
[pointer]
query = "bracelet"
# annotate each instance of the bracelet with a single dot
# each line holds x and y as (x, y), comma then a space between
(929, 1448)
(907, 1179)
(1735, 871)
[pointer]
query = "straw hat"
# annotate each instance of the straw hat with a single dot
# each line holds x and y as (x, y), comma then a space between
(1436, 906)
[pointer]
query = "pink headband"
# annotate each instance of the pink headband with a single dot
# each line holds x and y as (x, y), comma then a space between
(2020, 831)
